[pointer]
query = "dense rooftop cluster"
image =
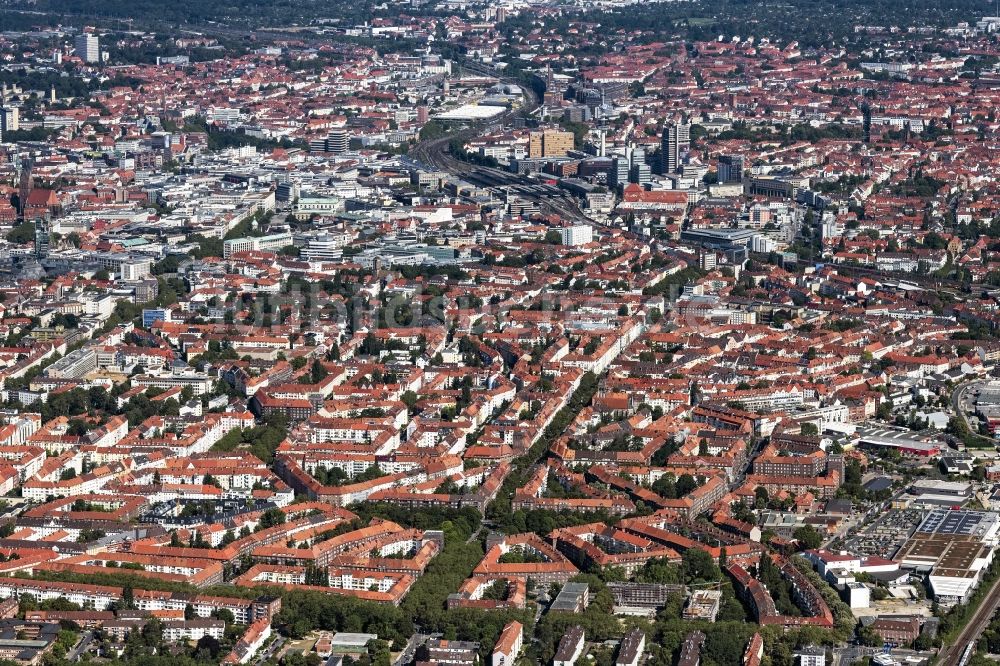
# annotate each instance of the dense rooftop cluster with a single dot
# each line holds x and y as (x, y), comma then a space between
(511, 332)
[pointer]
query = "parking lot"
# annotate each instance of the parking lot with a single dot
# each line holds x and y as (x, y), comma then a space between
(884, 537)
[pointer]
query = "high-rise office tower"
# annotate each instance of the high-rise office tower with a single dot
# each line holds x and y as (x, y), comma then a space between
(338, 142)
(549, 143)
(43, 238)
(675, 143)
(730, 169)
(9, 119)
(618, 176)
(639, 171)
(88, 47)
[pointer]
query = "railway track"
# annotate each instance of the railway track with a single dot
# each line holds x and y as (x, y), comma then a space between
(436, 154)
(961, 651)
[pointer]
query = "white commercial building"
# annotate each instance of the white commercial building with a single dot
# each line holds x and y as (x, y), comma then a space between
(271, 243)
(580, 234)
(88, 47)
(471, 113)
